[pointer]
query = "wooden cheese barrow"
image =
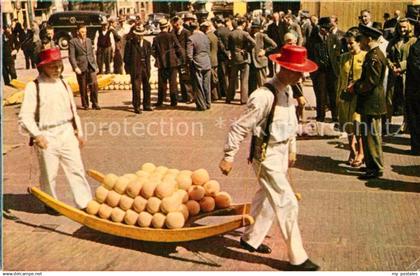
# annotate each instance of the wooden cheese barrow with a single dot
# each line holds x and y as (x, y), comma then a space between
(187, 233)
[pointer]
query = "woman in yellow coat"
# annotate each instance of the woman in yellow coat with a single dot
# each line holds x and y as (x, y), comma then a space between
(350, 71)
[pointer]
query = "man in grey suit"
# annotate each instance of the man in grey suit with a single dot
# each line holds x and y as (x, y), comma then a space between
(259, 61)
(240, 43)
(82, 60)
(208, 29)
(198, 52)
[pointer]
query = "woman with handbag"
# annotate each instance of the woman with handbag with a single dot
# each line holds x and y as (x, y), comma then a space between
(350, 71)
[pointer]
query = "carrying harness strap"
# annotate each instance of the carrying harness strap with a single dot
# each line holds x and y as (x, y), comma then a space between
(266, 133)
(37, 108)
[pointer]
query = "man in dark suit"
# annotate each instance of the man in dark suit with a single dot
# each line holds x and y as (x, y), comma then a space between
(82, 60)
(259, 61)
(276, 32)
(198, 52)
(240, 45)
(169, 55)
(9, 55)
(182, 35)
(208, 29)
(137, 63)
(223, 55)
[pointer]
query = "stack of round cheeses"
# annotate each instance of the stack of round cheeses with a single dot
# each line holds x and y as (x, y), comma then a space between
(157, 197)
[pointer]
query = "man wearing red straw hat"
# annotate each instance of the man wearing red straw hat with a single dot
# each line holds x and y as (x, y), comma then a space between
(49, 114)
(271, 117)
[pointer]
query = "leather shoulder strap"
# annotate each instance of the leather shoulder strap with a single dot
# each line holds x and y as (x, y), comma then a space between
(37, 102)
(273, 90)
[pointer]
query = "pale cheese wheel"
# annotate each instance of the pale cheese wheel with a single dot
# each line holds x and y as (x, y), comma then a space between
(113, 199)
(223, 200)
(145, 219)
(131, 217)
(196, 192)
(212, 187)
(186, 172)
(200, 177)
(131, 176)
(101, 194)
(172, 171)
(142, 174)
(92, 207)
(109, 181)
(170, 177)
(126, 87)
(117, 214)
(183, 195)
(148, 167)
(184, 211)
(193, 207)
(175, 220)
(139, 204)
(165, 188)
(156, 176)
(161, 170)
(207, 204)
(184, 181)
(158, 220)
(105, 211)
(134, 187)
(126, 202)
(170, 204)
(153, 205)
(121, 184)
(149, 187)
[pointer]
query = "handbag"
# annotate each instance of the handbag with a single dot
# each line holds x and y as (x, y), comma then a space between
(346, 95)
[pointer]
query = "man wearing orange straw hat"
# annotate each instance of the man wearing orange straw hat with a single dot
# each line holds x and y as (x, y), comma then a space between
(270, 116)
(49, 114)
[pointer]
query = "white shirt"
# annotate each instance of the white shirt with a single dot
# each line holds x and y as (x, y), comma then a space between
(55, 102)
(283, 127)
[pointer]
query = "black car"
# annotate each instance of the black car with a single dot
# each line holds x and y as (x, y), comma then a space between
(64, 24)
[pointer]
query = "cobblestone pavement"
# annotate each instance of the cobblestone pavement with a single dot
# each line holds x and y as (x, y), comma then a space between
(347, 224)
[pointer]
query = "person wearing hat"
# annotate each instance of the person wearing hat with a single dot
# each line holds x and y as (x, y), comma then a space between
(10, 47)
(305, 26)
(223, 29)
(240, 45)
(82, 60)
(168, 56)
(270, 117)
(324, 48)
(105, 46)
(118, 33)
(208, 29)
(276, 31)
(259, 61)
(48, 113)
(198, 54)
(137, 55)
(184, 76)
(371, 103)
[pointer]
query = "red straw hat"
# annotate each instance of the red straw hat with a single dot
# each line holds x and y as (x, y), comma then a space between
(48, 56)
(294, 58)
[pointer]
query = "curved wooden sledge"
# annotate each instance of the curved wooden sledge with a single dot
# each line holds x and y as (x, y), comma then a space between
(149, 234)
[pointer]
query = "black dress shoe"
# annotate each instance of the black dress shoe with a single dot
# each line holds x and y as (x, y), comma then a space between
(96, 107)
(51, 211)
(370, 175)
(85, 107)
(307, 265)
(261, 249)
(137, 111)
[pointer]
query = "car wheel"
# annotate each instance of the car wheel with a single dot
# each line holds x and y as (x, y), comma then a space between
(63, 42)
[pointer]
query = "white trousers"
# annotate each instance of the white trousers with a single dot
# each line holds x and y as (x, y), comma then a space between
(63, 148)
(275, 199)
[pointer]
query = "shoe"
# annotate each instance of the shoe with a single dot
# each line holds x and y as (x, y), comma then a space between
(51, 211)
(158, 104)
(228, 101)
(370, 175)
(96, 107)
(307, 265)
(261, 249)
(357, 163)
(174, 104)
(147, 109)
(137, 111)
(85, 107)
(200, 109)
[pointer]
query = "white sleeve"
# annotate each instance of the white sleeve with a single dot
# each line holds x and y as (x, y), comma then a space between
(111, 36)
(27, 111)
(95, 41)
(256, 108)
(292, 145)
(74, 108)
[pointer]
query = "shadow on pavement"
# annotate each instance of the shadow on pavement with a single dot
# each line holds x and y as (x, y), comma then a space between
(398, 140)
(394, 185)
(407, 170)
(323, 164)
(220, 246)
